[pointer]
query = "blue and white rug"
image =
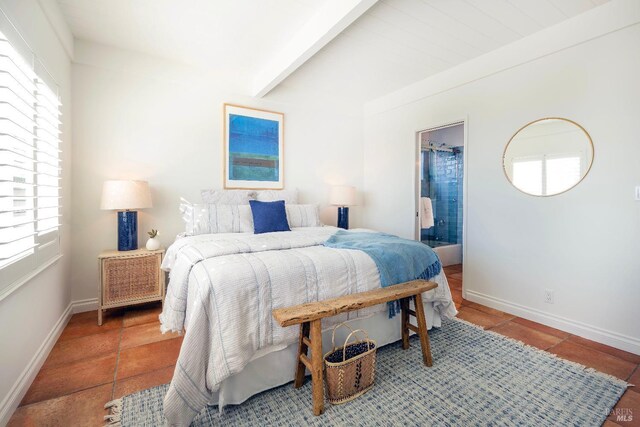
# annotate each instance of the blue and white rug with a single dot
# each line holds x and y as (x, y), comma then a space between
(478, 378)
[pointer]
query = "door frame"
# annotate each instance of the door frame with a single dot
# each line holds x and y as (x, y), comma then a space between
(432, 125)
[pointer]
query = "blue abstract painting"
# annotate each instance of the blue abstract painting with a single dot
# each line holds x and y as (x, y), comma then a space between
(254, 149)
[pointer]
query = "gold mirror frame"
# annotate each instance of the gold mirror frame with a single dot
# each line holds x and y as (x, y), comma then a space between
(593, 155)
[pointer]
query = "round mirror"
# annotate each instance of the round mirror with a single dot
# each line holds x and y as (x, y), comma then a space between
(548, 156)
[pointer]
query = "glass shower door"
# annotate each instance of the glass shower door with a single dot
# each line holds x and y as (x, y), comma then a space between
(441, 182)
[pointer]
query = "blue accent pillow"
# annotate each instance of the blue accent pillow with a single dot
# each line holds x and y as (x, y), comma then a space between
(269, 216)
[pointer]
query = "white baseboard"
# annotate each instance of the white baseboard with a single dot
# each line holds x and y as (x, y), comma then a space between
(19, 389)
(575, 327)
(83, 305)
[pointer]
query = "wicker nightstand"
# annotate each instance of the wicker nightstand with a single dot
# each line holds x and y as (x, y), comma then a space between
(128, 278)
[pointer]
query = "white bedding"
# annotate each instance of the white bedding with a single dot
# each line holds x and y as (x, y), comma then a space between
(222, 290)
(273, 366)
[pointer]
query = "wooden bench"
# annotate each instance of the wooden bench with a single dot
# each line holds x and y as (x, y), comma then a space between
(309, 316)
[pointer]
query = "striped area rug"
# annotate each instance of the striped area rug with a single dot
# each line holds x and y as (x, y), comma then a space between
(479, 378)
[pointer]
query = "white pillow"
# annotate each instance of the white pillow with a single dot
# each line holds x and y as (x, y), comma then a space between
(210, 218)
(302, 215)
(289, 196)
(228, 197)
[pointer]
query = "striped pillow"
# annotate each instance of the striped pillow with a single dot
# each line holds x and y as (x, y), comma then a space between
(303, 215)
(210, 218)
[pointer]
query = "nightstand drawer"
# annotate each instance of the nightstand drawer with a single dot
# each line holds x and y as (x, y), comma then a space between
(130, 279)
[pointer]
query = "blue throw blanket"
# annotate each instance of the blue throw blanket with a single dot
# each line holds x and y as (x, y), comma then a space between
(398, 260)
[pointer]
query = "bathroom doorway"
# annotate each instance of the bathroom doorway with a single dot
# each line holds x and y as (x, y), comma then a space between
(441, 153)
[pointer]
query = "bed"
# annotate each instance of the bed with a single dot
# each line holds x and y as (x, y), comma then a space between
(221, 292)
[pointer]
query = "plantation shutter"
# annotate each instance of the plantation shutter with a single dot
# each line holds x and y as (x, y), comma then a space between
(29, 167)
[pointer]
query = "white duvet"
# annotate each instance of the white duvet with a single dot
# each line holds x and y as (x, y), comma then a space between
(223, 288)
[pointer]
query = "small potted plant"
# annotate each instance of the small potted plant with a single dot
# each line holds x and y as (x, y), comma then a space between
(153, 243)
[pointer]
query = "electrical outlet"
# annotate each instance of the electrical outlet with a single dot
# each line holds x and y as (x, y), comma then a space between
(548, 296)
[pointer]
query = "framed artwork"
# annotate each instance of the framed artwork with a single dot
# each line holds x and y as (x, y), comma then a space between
(253, 148)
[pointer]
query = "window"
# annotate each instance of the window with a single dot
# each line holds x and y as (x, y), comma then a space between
(562, 173)
(527, 175)
(29, 167)
(547, 174)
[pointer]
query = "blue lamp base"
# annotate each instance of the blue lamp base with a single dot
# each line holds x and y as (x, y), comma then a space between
(127, 230)
(343, 217)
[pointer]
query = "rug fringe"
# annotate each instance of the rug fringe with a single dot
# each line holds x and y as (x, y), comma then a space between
(569, 362)
(115, 416)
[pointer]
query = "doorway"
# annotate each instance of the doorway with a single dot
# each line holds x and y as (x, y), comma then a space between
(441, 155)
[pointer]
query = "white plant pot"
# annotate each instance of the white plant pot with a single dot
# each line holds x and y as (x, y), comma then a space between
(153, 244)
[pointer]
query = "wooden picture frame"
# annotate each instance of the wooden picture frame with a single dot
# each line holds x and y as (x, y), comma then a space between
(253, 148)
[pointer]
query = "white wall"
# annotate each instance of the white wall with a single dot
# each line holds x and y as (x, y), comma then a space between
(583, 244)
(32, 315)
(146, 118)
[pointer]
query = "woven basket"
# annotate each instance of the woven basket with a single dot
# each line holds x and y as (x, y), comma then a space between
(350, 369)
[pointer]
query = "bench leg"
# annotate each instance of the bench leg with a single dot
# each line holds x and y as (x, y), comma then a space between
(317, 367)
(302, 350)
(404, 304)
(422, 328)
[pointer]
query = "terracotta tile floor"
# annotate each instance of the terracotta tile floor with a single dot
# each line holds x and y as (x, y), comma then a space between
(90, 365)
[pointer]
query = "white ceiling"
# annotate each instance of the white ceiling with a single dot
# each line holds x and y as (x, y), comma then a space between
(235, 35)
(399, 42)
(395, 43)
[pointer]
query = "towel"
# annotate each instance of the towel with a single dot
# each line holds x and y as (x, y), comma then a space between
(426, 213)
(398, 260)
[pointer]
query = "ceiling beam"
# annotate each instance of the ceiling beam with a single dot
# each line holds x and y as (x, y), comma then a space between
(335, 16)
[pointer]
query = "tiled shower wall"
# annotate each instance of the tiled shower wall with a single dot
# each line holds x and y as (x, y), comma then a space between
(442, 178)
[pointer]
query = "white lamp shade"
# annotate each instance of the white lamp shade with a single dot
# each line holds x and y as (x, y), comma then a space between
(125, 195)
(343, 195)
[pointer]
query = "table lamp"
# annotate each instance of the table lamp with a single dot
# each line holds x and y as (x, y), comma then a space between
(126, 197)
(343, 196)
